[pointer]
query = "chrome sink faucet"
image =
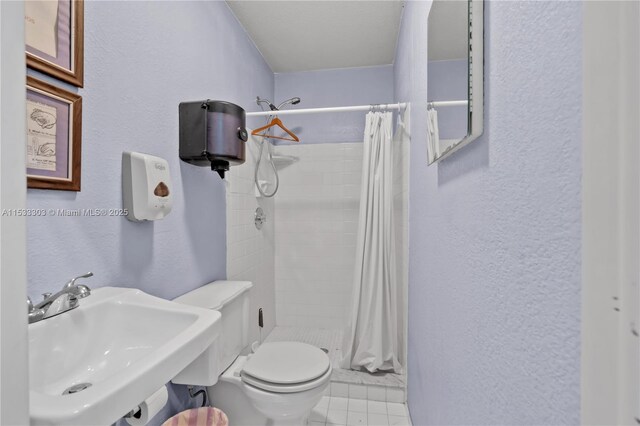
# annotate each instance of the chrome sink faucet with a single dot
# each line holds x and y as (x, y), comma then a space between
(62, 301)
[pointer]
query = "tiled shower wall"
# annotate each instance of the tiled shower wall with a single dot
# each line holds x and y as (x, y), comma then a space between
(250, 252)
(316, 224)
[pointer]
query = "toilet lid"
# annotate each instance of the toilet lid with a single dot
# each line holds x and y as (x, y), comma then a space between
(287, 363)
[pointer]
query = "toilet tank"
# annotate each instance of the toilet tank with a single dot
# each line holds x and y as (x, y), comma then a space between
(231, 299)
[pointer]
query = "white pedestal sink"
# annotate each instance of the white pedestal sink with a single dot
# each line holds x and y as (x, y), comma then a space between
(123, 342)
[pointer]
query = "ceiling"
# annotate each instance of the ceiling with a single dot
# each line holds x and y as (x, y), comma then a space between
(448, 30)
(306, 35)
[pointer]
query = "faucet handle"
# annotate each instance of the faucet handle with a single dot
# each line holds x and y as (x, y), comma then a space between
(46, 295)
(72, 282)
(34, 315)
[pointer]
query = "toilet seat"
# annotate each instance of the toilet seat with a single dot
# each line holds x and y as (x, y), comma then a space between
(286, 367)
(278, 388)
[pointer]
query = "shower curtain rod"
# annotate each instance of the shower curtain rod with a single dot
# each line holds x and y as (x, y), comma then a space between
(435, 104)
(388, 107)
(330, 109)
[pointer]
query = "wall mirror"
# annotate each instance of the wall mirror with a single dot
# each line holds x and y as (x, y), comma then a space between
(455, 75)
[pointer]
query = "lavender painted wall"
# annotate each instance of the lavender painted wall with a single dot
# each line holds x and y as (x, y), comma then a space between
(135, 76)
(494, 267)
(330, 88)
(447, 81)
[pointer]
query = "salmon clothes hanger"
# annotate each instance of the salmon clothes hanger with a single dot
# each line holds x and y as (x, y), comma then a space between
(275, 122)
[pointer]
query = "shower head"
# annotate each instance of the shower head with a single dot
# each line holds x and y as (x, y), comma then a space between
(272, 107)
(292, 101)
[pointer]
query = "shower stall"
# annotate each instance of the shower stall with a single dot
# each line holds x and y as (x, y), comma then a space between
(303, 259)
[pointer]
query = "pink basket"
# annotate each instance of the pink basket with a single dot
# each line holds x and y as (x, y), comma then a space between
(205, 416)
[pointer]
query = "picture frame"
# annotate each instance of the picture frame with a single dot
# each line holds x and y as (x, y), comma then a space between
(54, 38)
(54, 134)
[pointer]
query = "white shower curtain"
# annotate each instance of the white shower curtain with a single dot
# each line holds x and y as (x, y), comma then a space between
(372, 342)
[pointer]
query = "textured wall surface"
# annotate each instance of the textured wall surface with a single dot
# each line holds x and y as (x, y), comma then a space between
(331, 88)
(494, 267)
(135, 76)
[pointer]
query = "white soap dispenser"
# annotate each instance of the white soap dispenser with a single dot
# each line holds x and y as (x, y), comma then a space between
(146, 186)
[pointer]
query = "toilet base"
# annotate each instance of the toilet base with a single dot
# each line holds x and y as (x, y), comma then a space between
(230, 395)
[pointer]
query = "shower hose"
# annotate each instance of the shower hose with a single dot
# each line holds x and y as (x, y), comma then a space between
(273, 166)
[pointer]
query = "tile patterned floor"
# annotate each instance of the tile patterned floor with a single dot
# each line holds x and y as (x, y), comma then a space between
(332, 340)
(332, 411)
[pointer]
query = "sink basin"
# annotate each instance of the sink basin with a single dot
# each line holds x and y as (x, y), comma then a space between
(123, 342)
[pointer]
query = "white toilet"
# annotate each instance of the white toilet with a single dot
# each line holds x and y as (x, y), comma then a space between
(278, 384)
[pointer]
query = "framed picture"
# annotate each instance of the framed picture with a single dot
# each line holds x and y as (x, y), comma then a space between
(54, 131)
(54, 38)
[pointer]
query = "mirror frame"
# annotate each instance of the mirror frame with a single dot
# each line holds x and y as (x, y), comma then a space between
(475, 89)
